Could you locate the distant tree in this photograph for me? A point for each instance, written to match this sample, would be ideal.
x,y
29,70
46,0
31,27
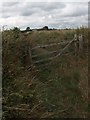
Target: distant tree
x,y
16,32
16,29
28,29
45,28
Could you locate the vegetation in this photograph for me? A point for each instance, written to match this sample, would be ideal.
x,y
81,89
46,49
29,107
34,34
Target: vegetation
x,y
56,89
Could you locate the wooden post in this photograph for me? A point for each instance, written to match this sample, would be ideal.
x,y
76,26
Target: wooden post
x,y
76,47
80,43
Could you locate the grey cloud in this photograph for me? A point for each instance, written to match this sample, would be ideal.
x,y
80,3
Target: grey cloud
x,y
41,7
76,14
44,13
27,13
75,10
51,6
9,4
30,11
10,9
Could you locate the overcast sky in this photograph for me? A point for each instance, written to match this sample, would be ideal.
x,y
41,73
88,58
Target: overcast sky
x,y
38,14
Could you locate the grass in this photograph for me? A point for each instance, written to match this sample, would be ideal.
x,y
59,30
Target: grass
x,y
56,89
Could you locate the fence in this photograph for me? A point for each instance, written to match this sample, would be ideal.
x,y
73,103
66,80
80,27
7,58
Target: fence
x,y
78,46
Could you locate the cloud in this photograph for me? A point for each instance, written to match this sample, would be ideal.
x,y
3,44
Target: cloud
x,y
39,14
74,10
9,4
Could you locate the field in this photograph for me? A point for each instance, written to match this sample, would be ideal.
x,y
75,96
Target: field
x,y
53,89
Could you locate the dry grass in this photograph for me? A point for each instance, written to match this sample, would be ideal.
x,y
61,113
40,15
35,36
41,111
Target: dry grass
x,y
58,89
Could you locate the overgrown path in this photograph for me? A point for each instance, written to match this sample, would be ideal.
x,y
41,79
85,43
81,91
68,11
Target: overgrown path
x,y
57,89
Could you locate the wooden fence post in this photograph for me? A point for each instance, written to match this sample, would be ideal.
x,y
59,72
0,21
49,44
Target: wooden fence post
x,y
80,43
76,46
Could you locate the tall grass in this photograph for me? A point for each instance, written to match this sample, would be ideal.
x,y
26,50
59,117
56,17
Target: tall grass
x,y
54,89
